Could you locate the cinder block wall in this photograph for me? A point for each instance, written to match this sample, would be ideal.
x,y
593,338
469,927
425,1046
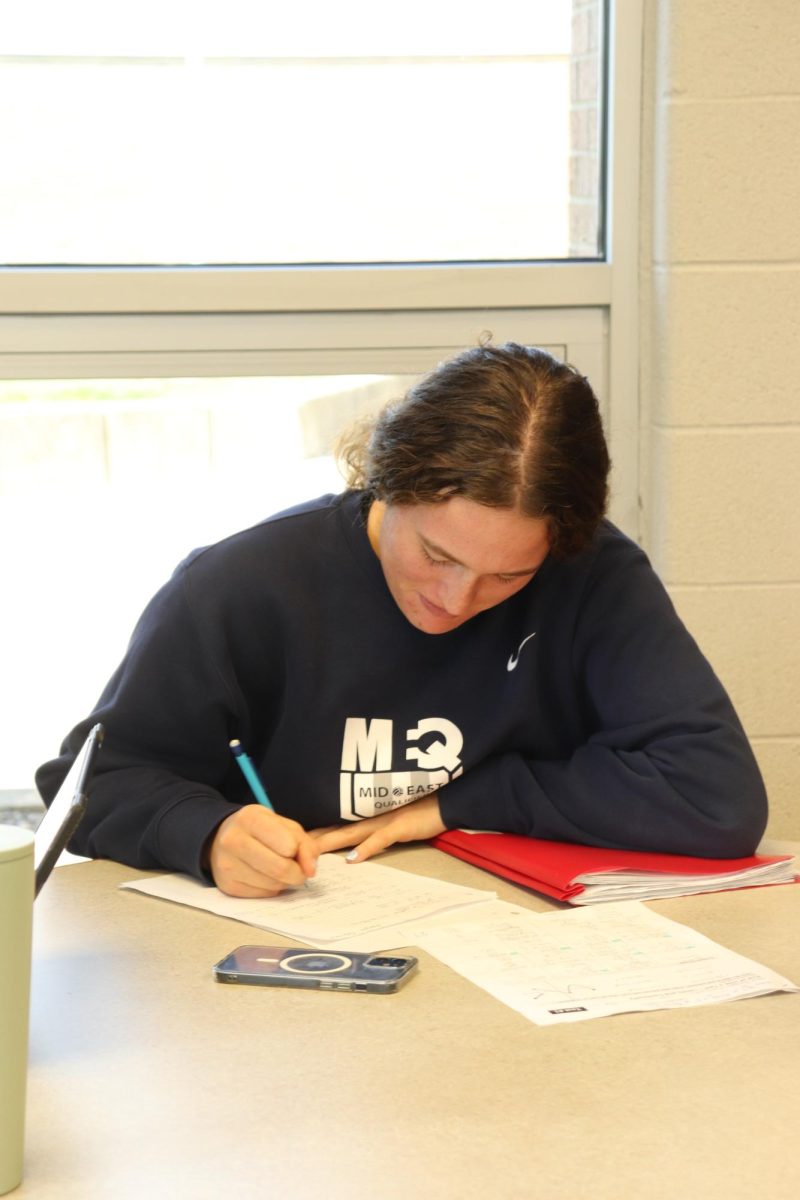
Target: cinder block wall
x,y
721,353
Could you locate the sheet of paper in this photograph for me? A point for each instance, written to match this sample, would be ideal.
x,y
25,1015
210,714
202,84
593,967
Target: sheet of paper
x,y
592,962
67,859
344,903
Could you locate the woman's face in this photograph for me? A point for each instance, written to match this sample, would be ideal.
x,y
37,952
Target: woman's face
x,y
444,563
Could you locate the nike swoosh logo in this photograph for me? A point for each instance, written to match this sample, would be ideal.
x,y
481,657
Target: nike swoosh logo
x,y
514,658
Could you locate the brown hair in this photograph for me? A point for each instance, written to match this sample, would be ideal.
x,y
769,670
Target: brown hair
x,y
506,426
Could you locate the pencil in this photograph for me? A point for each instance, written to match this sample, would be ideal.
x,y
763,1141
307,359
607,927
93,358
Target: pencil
x,y
250,774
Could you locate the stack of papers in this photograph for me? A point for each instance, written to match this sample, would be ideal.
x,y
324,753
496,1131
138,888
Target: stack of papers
x,y
642,885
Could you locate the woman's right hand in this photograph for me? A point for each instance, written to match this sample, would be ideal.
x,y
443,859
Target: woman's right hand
x,y
255,852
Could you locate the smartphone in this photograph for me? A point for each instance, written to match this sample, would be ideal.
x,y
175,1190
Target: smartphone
x,y
325,970
68,806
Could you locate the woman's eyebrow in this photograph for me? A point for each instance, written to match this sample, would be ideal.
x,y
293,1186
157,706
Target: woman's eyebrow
x,y
442,553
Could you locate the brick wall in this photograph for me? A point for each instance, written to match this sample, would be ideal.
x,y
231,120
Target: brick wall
x,y
585,126
721,353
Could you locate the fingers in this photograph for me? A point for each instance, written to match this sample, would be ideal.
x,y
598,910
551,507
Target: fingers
x,y
275,833
344,835
382,839
414,822
317,833
258,853
255,852
246,891
307,854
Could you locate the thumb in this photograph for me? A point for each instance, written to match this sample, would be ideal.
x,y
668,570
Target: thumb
x,y
307,854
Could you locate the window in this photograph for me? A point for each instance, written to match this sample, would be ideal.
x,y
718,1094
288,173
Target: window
x,y
252,219
315,133
105,485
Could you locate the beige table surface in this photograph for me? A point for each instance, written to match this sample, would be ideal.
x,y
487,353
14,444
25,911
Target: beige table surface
x,y
148,1079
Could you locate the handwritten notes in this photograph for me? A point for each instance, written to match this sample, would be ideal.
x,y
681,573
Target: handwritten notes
x,y
365,905
592,962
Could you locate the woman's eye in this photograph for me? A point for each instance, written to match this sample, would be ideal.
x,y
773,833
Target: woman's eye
x,y
515,578
436,562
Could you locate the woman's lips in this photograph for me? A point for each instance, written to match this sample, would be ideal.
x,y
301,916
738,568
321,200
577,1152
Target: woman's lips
x,y
434,609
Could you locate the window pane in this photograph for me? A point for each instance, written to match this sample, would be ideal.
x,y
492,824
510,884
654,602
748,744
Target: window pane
x,y
106,485
311,133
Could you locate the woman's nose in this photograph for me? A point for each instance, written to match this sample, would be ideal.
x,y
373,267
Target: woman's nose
x,y
458,594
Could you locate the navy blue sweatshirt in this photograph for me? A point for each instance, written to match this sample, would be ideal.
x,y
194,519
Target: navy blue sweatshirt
x,y
579,709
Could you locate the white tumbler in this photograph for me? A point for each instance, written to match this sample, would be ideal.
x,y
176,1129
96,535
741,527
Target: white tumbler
x,y
16,922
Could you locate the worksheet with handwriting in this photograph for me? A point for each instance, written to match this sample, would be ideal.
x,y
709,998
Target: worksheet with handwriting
x,y
363,904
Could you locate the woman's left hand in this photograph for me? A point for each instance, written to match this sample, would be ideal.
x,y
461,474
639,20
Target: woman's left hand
x,y
413,822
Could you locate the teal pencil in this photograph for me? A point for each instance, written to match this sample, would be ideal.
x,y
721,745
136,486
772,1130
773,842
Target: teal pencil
x,y
250,774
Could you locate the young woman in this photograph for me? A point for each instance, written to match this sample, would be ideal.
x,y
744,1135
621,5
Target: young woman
x,y
458,640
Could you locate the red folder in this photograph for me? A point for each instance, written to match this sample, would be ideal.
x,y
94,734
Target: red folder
x,y
587,875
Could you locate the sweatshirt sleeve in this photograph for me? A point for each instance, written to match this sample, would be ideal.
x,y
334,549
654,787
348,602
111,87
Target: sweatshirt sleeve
x,y
665,764
163,778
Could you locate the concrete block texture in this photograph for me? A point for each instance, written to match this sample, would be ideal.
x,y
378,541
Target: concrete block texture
x,y
750,635
724,503
779,760
731,47
720,454
724,346
728,187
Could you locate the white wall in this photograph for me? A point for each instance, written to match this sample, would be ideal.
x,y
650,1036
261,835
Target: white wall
x,y
721,352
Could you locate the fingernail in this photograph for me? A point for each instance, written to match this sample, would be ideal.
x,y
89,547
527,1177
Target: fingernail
x,y
352,856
